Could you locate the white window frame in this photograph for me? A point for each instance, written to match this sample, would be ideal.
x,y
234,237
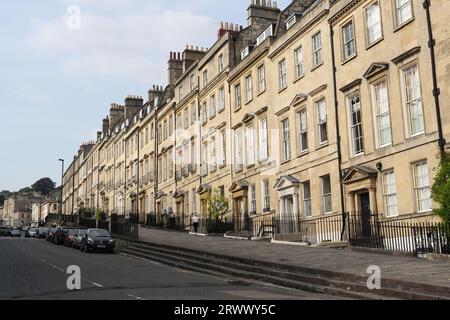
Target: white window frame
x,y
263,139
239,152
355,142
249,88
282,74
307,200
374,29
317,49
186,118
413,98
251,154
299,63
266,195
285,140
252,201
348,40
322,120
221,99
380,113
399,6
390,199
212,106
325,196
422,186
261,79
193,112
303,143
238,96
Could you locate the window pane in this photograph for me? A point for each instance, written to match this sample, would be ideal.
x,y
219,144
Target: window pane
x,y
373,22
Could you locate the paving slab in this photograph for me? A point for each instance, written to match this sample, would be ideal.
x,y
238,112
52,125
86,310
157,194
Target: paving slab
x,y
403,268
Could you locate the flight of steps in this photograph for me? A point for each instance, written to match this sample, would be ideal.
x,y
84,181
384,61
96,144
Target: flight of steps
x,y
317,281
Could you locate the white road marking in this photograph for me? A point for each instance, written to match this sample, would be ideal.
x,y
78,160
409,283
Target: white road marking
x,y
96,284
136,297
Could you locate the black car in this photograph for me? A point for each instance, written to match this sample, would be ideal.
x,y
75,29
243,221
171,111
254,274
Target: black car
x,y
4,232
97,240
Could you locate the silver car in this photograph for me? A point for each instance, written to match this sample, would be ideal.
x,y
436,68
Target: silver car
x,y
16,233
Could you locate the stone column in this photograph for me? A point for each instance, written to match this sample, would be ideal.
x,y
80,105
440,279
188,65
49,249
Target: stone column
x,y
350,203
373,201
295,211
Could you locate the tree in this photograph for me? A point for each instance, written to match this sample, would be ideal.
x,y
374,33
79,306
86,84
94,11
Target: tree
x,y
218,205
44,186
441,189
25,190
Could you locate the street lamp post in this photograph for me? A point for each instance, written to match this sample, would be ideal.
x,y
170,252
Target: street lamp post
x,y
62,183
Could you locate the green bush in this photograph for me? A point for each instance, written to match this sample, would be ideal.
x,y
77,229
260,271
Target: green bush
x,y
441,190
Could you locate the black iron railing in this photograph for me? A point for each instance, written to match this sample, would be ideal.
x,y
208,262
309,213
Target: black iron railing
x,y
125,231
418,238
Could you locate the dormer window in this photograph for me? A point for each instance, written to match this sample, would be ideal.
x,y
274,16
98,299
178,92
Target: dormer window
x,y
263,36
245,52
291,21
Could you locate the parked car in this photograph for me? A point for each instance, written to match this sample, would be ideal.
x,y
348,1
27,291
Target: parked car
x,y
51,234
80,234
97,240
61,234
43,232
16,233
71,237
3,232
33,232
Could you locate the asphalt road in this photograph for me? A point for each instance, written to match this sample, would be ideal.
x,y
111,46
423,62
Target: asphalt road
x,y
36,269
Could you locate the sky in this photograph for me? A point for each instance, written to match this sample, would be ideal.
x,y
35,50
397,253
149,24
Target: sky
x,y
63,62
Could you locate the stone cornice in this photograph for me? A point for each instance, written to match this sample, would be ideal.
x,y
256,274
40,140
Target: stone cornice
x,y
350,6
294,37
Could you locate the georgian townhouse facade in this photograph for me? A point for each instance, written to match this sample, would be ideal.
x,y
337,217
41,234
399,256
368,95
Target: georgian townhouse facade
x,y
387,116
308,112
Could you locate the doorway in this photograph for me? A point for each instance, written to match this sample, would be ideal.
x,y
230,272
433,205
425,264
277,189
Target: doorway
x,y
364,200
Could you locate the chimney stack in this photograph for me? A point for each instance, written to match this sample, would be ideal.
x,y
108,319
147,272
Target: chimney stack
x,y
116,114
105,125
132,106
192,54
262,11
226,27
175,65
155,92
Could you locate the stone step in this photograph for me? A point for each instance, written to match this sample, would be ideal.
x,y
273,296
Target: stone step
x,y
316,279
238,274
405,289
308,282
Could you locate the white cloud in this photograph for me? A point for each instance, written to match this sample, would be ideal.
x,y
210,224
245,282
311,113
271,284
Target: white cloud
x,y
131,44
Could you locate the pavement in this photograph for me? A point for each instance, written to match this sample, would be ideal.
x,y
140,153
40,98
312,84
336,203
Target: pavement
x,y
430,272
34,269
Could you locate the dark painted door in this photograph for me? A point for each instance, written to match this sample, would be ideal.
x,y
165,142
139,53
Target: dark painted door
x,y
365,214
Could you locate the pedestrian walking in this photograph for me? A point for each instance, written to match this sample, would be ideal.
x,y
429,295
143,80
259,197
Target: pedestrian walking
x,y
195,222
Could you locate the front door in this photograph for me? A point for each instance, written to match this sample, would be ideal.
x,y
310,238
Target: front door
x,y
365,214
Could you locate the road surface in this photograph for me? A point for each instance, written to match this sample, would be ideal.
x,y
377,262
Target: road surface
x,y
37,270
